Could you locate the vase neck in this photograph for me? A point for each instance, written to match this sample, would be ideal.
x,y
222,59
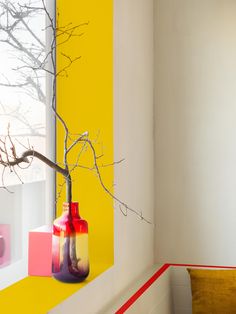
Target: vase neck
x,y
72,209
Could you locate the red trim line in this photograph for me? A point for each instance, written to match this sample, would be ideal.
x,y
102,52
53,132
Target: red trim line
x,y
203,266
142,289
154,277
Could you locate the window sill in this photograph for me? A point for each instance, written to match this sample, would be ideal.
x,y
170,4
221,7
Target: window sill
x,y
39,295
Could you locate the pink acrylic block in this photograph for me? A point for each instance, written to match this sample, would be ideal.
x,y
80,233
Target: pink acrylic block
x,y
5,248
40,252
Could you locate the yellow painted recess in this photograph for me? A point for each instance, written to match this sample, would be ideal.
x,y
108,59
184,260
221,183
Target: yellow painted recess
x,y
85,100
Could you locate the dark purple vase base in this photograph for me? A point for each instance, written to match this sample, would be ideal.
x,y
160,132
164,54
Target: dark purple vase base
x,y
70,278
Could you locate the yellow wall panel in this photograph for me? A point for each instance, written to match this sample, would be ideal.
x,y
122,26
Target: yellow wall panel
x,y
85,100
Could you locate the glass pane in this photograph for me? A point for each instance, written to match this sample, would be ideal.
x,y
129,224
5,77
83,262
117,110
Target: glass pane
x,y
22,127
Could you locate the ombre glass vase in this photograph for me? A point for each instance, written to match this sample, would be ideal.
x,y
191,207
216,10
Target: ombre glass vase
x,y
70,260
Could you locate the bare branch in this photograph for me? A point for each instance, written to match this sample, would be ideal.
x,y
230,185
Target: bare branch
x,y
34,62
70,61
14,85
3,183
113,163
138,214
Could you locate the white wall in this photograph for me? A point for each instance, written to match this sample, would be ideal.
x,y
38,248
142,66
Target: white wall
x,y
133,116
157,299
195,104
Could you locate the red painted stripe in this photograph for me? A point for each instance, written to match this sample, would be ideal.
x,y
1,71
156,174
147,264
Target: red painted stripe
x,y
150,281
203,266
147,284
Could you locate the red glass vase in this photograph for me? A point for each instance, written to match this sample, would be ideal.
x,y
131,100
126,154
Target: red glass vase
x,y
70,260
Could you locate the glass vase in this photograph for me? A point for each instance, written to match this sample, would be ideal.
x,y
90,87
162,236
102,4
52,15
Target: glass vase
x,y
70,260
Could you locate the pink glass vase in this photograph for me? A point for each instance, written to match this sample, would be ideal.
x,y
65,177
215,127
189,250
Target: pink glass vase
x,y
70,261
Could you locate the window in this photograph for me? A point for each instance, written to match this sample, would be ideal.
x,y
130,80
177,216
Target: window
x,y
23,125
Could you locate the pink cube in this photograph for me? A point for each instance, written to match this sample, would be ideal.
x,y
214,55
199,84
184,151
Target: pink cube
x,y
5,248
40,252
